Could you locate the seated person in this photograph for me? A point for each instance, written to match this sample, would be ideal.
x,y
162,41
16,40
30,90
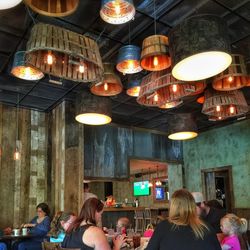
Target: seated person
x,y
39,227
122,225
59,226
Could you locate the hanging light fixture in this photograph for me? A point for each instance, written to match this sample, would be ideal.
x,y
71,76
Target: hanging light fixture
x,y
234,77
117,11
170,105
182,127
224,104
150,184
110,85
133,88
21,70
199,48
17,154
70,56
129,59
54,8
9,4
158,182
159,88
93,110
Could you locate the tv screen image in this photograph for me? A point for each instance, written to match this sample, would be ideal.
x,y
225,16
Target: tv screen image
x,y
141,188
159,193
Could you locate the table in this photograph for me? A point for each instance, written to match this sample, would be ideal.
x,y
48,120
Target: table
x,y
8,239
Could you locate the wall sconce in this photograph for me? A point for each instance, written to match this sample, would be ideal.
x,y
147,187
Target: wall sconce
x,y
9,4
155,53
133,88
55,8
182,127
234,77
220,105
117,11
110,84
93,110
199,48
129,60
21,70
60,52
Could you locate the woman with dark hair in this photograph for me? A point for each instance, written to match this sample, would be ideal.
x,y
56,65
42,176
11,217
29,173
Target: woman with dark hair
x,y
39,227
183,229
83,232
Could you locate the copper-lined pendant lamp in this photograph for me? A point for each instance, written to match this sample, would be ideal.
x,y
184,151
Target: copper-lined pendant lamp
x,y
155,53
133,87
55,8
63,53
234,77
129,59
110,84
7,4
199,48
117,11
93,110
182,127
224,104
159,88
21,70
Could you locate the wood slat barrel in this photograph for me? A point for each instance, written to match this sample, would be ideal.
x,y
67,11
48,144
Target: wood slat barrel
x,y
56,8
68,49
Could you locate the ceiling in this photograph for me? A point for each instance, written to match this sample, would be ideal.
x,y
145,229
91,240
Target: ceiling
x,y
15,25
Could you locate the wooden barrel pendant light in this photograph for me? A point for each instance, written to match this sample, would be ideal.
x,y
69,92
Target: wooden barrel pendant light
x,y
234,77
63,53
55,8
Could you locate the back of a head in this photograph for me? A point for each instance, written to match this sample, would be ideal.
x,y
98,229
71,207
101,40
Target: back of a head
x,y
183,212
239,225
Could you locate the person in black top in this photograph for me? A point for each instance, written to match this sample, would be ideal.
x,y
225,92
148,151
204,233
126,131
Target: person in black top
x,y
83,232
210,215
183,229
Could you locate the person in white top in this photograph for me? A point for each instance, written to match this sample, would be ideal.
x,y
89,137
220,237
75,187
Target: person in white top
x,y
87,193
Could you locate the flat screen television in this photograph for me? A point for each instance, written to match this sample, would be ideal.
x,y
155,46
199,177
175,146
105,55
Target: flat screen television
x,y
141,188
160,193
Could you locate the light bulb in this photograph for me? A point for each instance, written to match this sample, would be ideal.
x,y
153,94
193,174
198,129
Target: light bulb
x,y
49,59
174,87
230,78
130,64
105,86
156,97
218,108
150,184
117,8
232,109
155,61
16,155
27,72
219,117
81,68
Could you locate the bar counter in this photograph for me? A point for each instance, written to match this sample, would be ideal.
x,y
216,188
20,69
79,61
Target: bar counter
x,y
119,209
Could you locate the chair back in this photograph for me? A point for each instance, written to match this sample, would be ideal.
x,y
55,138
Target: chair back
x,y
50,245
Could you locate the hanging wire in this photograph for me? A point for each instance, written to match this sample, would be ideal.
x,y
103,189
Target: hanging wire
x,y
154,17
129,38
100,35
17,112
28,10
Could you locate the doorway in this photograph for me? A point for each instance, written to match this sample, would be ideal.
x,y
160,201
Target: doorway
x,y
217,184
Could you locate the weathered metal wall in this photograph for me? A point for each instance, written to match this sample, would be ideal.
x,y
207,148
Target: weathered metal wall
x,y
220,147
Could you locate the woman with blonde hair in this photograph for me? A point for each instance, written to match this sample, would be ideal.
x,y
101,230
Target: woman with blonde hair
x,y
183,229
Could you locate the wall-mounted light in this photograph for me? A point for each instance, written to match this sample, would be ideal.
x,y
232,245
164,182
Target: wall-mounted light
x,y
199,48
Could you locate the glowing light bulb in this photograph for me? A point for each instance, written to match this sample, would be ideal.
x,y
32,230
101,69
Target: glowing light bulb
x,y
174,87
230,78
16,155
156,97
117,7
49,59
105,86
219,117
150,184
130,64
218,108
81,68
155,61
232,110
27,72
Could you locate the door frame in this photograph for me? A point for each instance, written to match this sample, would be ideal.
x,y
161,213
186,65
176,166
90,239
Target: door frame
x,y
230,181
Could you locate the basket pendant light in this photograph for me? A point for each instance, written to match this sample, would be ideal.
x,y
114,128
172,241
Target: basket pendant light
x,y
110,84
117,11
220,105
55,8
21,70
129,59
133,88
234,77
199,48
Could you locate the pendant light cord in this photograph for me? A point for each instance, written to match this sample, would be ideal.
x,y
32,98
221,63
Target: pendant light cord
x,y
154,18
129,39
17,112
